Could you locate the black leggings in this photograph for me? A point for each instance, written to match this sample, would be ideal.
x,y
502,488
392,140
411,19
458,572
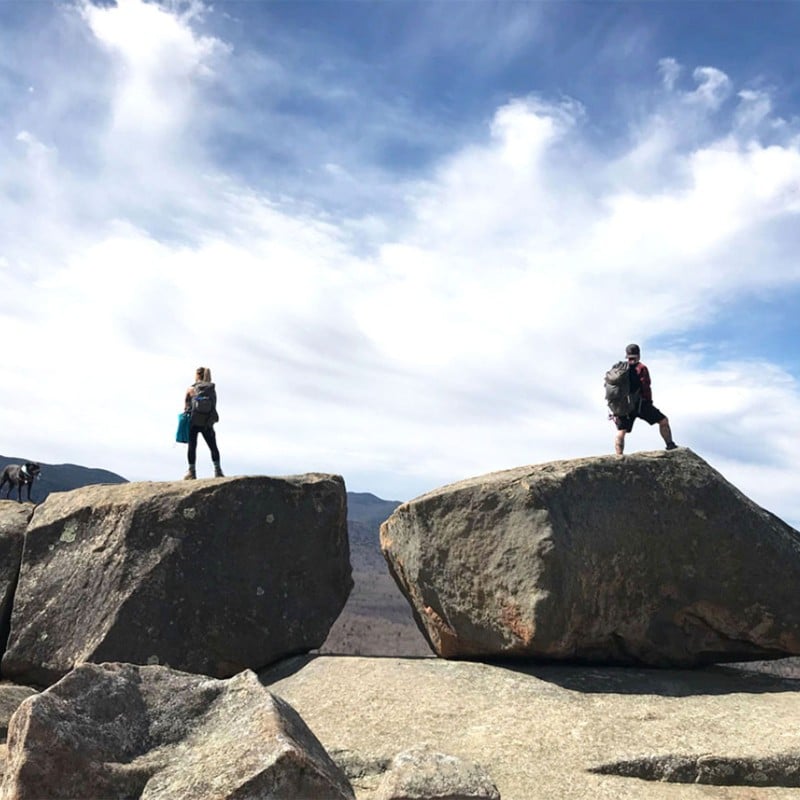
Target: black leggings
x,y
211,441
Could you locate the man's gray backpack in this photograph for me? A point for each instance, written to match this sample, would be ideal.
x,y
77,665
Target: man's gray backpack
x,y
621,401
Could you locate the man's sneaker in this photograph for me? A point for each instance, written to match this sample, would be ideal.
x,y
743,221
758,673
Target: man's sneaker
x,y
671,446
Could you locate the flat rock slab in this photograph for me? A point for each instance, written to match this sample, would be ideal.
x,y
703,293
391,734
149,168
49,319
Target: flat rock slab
x,y
537,731
210,576
653,559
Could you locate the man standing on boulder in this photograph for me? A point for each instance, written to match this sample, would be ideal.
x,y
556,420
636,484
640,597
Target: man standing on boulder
x,y
640,381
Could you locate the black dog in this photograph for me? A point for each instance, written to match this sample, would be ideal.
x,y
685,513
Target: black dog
x,y
19,476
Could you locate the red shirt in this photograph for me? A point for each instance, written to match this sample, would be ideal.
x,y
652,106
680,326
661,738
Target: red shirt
x,y
643,374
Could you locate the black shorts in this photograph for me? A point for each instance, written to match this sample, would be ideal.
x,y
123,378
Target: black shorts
x,y
647,411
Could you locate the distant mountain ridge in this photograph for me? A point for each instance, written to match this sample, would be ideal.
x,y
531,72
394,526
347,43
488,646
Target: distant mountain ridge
x,y
368,509
365,513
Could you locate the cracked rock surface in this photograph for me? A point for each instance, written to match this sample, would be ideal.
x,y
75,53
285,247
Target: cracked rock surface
x,y
539,731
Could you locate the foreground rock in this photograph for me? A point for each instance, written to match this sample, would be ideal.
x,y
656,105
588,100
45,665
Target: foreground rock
x,y
424,774
540,732
11,695
652,558
121,731
14,518
209,577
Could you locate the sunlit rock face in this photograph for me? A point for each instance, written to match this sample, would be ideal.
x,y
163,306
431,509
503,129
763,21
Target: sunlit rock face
x,y
209,576
652,558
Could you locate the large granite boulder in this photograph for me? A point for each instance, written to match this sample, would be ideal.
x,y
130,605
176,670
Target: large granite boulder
x,y
651,558
123,731
207,576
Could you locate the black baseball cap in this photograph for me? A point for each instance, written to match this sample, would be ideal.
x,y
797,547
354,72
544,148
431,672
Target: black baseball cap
x,y
632,350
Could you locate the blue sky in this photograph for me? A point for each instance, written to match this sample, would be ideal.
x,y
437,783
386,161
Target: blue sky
x,y
408,238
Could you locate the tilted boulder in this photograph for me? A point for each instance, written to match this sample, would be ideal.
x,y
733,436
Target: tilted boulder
x,y
651,558
123,731
208,577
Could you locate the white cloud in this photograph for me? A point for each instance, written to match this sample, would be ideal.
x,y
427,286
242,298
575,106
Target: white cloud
x,y
159,57
524,129
472,332
730,188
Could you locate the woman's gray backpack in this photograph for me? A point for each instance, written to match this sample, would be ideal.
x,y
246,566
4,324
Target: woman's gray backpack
x,y
621,400
204,404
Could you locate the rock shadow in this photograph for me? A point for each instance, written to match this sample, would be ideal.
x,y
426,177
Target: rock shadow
x,y
713,680
272,673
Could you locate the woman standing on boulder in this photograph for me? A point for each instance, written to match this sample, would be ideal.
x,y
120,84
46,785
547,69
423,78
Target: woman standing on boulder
x,y
201,403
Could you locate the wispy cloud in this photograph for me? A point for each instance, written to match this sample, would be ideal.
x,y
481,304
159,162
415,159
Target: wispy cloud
x,y
713,88
670,71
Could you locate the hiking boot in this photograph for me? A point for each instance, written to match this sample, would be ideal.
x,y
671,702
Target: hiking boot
x,y
190,473
671,446
218,470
